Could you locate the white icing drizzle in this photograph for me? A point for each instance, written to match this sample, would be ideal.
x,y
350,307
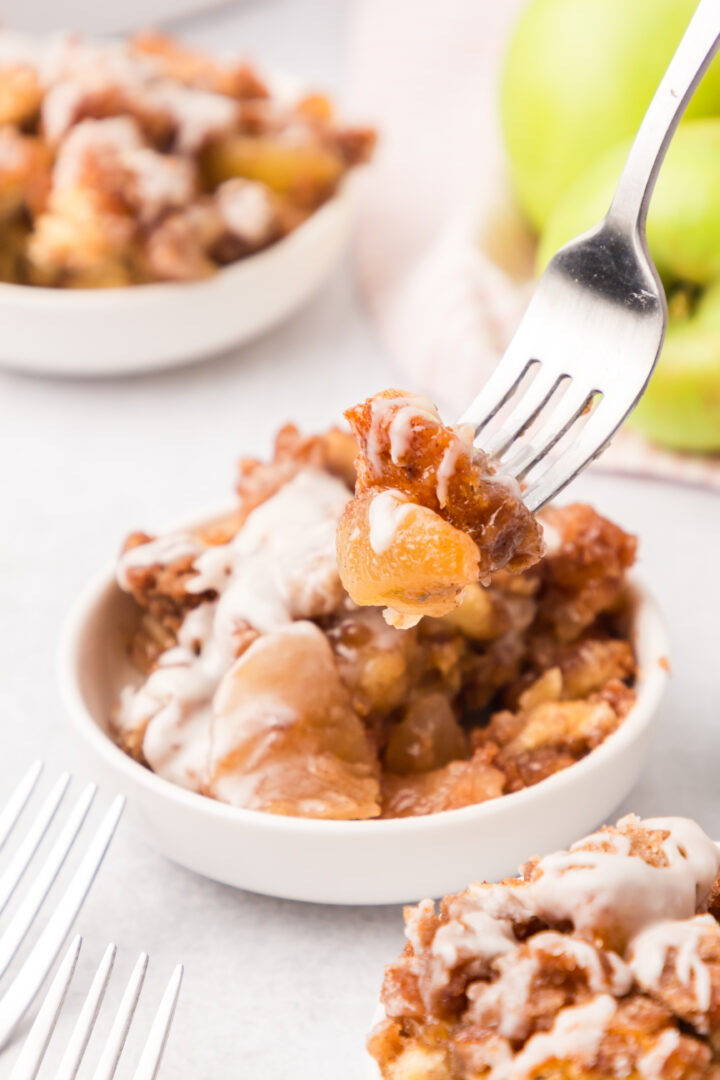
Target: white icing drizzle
x,y
508,996
159,181
504,1001
597,882
282,564
279,567
475,935
650,953
688,843
601,887
576,1035
400,428
551,537
59,108
173,704
415,918
159,552
447,467
393,418
402,410
254,721
247,209
155,182
197,114
71,69
105,140
492,1057
507,481
387,511
13,153
652,1063
501,901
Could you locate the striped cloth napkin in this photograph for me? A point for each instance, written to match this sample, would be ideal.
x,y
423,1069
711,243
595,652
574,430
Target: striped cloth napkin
x,y
444,260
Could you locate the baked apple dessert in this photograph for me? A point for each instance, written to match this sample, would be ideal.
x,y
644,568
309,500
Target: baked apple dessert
x,y
259,681
598,962
144,160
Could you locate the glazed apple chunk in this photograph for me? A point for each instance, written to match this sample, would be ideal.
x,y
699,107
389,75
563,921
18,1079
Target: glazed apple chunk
x,y
285,736
431,514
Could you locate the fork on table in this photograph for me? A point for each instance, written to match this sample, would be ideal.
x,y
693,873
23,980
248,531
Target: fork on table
x,y
18,996
589,341
32,1055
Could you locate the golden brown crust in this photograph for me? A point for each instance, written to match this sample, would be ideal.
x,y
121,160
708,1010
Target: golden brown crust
x,y
333,451
450,787
25,173
585,573
20,95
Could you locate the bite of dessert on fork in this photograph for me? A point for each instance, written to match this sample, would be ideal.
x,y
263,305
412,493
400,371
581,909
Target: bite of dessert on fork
x,y
431,514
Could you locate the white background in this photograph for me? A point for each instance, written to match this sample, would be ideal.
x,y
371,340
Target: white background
x,y
273,989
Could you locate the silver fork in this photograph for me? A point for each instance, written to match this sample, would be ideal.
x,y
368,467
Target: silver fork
x,y
36,1045
22,991
587,345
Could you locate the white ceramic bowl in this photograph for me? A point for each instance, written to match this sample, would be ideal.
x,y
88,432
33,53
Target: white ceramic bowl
x,y
147,327
87,16
357,862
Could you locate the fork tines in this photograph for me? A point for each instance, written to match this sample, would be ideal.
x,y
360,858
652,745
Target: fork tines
x,y
21,992
36,1045
533,399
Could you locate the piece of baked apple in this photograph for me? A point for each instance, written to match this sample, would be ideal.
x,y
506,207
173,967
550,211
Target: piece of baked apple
x,y
431,514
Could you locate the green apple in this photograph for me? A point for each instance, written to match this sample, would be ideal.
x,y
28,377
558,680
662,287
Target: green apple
x,y
681,407
684,217
578,77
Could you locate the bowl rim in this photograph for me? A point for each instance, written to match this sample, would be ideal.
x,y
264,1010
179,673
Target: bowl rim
x,y
650,685
36,297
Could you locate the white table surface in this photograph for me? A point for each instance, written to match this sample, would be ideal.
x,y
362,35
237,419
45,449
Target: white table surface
x,y
273,989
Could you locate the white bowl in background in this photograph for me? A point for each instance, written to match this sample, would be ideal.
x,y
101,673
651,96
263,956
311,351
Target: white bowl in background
x,y
346,862
146,327
91,17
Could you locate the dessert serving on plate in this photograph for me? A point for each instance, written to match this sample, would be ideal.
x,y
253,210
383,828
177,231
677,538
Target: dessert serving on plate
x,y
261,683
130,162
599,961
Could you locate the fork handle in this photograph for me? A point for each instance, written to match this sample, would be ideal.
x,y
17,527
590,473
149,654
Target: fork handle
x,y
687,67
